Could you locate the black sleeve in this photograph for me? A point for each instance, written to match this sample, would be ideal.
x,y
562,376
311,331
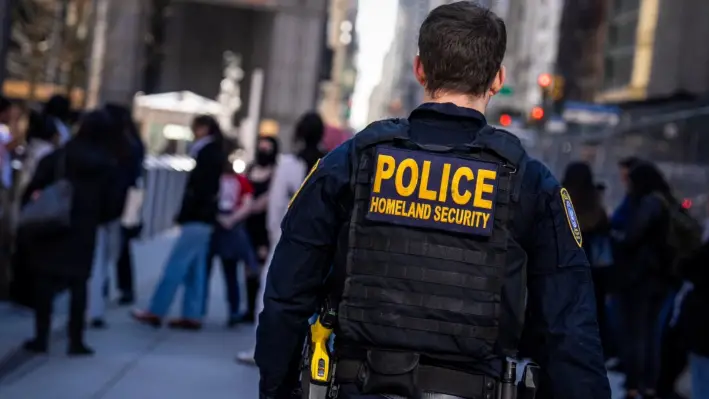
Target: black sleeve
x,y
202,184
112,196
649,209
44,175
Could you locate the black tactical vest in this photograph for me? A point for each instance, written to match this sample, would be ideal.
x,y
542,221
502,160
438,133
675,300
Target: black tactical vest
x,y
429,279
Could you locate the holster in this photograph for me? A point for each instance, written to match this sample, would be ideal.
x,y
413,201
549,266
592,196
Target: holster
x,y
389,372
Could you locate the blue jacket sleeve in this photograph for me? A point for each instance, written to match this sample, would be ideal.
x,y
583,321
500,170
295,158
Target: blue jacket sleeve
x,y
300,263
561,307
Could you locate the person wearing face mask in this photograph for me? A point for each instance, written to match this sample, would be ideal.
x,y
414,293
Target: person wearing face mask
x,y
259,174
288,176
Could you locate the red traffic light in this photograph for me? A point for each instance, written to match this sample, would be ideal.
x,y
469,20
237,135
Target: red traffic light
x,y
687,203
505,120
537,113
545,80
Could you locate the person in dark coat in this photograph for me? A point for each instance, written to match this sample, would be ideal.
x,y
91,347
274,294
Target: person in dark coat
x,y
186,264
642,281
64,261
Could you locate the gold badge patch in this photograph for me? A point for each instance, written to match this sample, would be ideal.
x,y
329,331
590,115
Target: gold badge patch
x,y
304,181
571,217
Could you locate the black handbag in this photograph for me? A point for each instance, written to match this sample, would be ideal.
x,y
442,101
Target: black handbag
x,y
50,211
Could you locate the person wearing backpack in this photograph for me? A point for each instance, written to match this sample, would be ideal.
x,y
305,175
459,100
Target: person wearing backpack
x,y
694,318
643,276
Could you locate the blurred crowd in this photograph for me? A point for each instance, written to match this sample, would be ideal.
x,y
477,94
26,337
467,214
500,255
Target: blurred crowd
x,y
227,217
649,262
648,256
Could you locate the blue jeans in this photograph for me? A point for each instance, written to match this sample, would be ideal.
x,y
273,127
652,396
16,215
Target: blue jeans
x,y
231,246
699,367
106,253
185,265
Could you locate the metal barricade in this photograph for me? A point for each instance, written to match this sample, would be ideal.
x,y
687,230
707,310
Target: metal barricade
x,y
676,143
165,179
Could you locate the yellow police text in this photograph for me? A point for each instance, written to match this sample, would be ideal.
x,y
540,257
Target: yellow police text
x,y
418,184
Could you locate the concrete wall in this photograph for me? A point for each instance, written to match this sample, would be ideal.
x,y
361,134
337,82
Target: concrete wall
x,y
199,34
122,73
292,74
681,55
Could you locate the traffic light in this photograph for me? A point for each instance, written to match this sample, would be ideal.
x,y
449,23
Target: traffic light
x,y
545,80
505,120
537,113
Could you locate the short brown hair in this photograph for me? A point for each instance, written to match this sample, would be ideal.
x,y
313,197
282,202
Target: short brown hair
x,y
461,47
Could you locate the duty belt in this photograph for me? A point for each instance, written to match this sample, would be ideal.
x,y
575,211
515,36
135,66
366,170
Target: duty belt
x,y
431,379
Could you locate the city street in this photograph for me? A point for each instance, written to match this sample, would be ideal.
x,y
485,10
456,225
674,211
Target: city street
x,y
139,362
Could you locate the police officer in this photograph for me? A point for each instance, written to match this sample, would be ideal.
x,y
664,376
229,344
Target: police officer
x,y
436,228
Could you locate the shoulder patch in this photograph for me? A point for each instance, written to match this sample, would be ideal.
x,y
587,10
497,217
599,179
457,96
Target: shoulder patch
x,y
312,170
571,217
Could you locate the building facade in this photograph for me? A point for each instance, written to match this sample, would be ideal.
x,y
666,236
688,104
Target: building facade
x,y
341,45
654,49
282,38
532,35
580,57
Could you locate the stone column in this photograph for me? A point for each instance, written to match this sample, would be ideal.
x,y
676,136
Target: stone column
x,y
123,64
292,73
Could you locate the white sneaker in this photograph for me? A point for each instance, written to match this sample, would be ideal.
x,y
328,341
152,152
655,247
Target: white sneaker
x,y
246,357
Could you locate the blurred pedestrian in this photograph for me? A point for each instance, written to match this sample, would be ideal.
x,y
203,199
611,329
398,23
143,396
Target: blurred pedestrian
x,y
186,264
695,320
108,236
231,243
289,175
260,174
42,138
595,227
642,276
130,225
620,216
58,108
63,260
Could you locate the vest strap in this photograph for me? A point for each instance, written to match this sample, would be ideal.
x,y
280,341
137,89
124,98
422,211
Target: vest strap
x,y
430,302
382,317
427,275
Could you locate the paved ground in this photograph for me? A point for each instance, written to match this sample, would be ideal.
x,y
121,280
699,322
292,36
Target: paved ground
x,y
138,362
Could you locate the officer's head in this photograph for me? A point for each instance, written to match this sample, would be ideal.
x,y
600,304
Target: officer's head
x,y
461,47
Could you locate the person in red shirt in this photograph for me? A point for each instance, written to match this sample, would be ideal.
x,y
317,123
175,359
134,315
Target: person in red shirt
x,y
230,241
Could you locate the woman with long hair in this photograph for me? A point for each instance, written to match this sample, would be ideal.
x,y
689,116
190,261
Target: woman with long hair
x,y
643,282
186,264
595,228
64,261
260,174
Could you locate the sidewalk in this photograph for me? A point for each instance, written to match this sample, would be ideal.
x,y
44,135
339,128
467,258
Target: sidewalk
x,y
139,362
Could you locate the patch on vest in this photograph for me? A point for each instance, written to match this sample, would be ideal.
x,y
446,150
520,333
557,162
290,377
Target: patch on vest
x,y
420,189
571,217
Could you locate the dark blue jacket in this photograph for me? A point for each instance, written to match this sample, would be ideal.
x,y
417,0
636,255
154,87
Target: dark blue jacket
x,y
561,304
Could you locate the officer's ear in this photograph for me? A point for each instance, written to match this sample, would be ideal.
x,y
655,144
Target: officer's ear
x,y
418,71
499,81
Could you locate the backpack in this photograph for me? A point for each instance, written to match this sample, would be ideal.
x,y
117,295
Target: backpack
x,y
684,235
